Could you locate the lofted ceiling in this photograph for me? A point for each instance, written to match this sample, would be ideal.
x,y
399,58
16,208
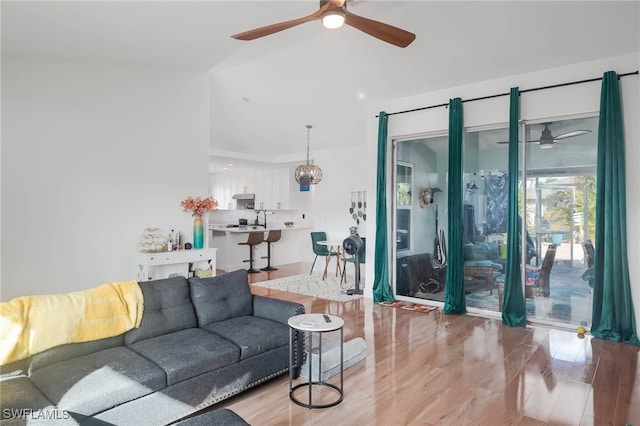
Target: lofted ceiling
x,y
264,92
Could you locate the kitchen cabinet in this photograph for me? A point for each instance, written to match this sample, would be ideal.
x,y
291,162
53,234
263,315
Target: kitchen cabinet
x,y
271,186
225,185
272,189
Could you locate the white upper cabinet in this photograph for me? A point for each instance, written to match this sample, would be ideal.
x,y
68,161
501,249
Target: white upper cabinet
x,y
271,186
272,189
225,185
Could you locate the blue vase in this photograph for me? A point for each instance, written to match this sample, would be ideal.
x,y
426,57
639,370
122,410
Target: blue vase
x,y
198,232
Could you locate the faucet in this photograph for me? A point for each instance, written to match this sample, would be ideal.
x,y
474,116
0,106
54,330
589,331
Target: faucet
x,y
257,223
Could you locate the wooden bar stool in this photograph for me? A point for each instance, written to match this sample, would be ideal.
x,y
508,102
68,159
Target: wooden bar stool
x,y
254,239
272,237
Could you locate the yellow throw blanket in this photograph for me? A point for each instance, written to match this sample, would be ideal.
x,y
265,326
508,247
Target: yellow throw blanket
x,y
32,324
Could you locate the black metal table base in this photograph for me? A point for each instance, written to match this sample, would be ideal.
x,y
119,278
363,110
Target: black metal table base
x,y
306,385
310,384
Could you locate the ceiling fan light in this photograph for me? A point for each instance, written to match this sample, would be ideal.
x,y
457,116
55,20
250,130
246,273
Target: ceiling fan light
x,y
333,19
545,145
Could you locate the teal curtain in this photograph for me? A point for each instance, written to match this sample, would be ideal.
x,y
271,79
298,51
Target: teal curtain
x,y
381,288
613,317
454,301
513,306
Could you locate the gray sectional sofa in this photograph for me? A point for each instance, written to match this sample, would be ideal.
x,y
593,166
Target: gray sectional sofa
x,y
200,341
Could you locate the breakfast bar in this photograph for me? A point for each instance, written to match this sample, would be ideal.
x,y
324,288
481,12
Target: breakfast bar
x,y
231,255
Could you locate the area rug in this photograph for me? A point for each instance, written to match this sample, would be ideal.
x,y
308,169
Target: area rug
x,y
415,307
313,285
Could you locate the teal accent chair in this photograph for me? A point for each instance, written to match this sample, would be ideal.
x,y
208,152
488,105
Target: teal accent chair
x,y
318,249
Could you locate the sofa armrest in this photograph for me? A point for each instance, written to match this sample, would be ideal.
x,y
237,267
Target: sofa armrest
x,y
280,311
275,309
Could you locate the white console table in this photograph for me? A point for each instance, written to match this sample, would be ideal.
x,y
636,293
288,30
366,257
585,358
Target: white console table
x,y
146,261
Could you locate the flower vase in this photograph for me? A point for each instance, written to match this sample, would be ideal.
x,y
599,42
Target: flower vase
x,y
198,232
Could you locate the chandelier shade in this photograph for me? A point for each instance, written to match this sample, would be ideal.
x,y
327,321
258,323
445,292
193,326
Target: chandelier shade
x,y
309,173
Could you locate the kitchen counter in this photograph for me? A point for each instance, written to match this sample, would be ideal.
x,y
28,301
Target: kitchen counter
x,y
293,246
252,228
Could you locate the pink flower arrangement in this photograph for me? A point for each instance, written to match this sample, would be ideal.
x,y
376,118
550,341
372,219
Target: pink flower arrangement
x,y
198,205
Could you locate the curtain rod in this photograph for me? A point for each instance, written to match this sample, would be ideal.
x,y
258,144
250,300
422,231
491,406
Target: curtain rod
x,y
507,94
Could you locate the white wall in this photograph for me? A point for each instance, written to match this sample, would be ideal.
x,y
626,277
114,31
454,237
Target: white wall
x,y
326,205
582,98
91,155
343,172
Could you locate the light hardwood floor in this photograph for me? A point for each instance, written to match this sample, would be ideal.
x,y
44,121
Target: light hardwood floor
x,y
432,369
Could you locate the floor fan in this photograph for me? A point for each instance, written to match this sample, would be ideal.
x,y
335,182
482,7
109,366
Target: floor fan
x,y
352,246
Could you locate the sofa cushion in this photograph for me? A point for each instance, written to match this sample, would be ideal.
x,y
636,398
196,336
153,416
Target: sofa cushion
x,y
252,334
220,417
73,350
187,353
475,252
19,392
167,308
98,381
493,251
221,297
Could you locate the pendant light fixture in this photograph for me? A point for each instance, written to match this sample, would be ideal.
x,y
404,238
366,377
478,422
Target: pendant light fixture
x,y
309,173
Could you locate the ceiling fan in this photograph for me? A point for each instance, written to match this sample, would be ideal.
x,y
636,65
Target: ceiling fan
x,y
547,140
334,14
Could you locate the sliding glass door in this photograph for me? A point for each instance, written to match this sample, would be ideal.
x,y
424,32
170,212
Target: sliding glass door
x,y
556,202
419,216
560,176
485,196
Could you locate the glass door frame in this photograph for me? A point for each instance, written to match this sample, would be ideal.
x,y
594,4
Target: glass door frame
x,y
393,218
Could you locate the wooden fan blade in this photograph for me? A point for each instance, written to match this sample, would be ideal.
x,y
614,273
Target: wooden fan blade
x,y
571,134
379,30
280,26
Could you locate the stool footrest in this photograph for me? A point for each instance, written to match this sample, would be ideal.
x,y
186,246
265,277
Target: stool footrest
x,y
269,268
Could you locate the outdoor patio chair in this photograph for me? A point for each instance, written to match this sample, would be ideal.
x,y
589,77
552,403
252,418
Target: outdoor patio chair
x,y
537,279
589,255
